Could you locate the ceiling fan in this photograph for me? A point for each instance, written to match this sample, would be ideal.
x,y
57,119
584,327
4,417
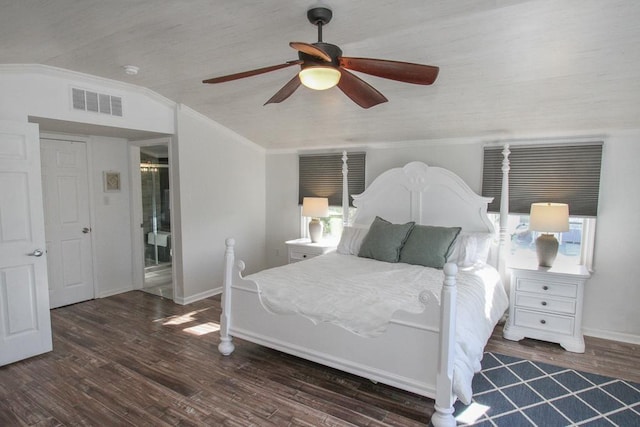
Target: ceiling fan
x,y
323,66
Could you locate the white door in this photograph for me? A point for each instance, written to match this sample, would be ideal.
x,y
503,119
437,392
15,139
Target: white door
x,y
25,325
67,221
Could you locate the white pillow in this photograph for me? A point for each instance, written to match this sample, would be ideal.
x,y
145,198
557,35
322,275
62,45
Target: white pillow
x,y
351,239
471,248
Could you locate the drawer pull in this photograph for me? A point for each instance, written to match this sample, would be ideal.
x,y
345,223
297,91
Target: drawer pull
x,y
545,288
544,303
304,256
543,321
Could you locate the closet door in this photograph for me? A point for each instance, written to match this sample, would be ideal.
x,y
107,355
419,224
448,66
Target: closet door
x,y
67,221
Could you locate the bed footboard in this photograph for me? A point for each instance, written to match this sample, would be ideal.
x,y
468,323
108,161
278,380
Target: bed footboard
x,y
430,373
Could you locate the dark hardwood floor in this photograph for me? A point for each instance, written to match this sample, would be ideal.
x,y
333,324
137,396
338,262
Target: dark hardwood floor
x,y
137,359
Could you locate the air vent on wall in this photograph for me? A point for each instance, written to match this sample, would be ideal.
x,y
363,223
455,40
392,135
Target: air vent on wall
x,y
96,102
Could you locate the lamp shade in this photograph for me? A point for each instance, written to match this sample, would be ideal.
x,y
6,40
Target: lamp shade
x,y
316,207
319,78
549,217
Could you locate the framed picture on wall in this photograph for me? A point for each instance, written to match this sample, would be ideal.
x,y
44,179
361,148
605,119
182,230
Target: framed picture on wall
x,y
111,181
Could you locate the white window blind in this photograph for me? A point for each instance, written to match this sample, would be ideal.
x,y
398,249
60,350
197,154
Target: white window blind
x,y
320,175
562,173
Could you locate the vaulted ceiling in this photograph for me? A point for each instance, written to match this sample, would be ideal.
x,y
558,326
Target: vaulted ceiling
x,y
507,67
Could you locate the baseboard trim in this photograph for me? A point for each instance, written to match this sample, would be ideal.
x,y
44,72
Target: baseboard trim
x,y
198,297
114,292
613,336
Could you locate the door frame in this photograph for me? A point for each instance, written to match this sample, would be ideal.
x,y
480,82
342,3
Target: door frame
x,y
136,210
92,214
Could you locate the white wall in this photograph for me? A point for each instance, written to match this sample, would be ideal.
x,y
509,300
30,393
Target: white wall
x,y
611,294
462,156
32,90
41,91
221,194
111,231
218,188
282,210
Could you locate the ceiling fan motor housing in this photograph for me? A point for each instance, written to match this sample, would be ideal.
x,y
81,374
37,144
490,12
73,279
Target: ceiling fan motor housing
x,y
319,15
330,49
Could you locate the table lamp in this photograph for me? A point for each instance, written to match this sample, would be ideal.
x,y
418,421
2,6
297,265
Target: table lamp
x,y
315,207
548,218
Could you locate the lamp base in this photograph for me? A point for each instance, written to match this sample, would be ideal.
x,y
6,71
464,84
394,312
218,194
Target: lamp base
x,y
315,230
547,249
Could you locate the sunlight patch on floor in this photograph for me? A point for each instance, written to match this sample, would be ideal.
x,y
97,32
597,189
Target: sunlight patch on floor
x,y
180,320
203,328
472,413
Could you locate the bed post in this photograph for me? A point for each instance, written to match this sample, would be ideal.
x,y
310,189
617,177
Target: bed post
x,y
443,416
226,347
345,190
504,215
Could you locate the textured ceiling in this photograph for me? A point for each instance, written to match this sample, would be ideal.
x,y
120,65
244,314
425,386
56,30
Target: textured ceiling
x,y
506,67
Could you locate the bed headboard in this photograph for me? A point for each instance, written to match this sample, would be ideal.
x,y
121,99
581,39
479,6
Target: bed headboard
x,y
424,194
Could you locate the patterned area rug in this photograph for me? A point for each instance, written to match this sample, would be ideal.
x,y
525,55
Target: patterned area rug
x,y
512,392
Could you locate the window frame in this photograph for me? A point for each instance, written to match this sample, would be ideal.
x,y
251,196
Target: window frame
x,y
547,171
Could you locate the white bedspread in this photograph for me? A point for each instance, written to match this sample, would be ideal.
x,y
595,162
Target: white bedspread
x,y
361,295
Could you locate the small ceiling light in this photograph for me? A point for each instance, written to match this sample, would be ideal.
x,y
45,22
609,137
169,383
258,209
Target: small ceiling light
x,y
131,70
319,78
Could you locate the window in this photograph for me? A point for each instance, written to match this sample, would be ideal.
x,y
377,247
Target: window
x,y
576,245
562,173
320,175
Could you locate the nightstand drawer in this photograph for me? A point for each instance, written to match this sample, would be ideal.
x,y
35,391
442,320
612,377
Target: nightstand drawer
x,y
547,288
296,256
301,249
544,321
540,302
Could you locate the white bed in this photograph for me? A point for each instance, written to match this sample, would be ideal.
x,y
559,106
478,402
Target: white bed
x,y
412,342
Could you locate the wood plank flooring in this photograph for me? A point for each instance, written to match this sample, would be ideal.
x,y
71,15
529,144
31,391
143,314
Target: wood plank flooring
x,y
136,359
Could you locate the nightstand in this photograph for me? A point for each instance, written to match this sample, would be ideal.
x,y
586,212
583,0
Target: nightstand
x,y
546,304
301,249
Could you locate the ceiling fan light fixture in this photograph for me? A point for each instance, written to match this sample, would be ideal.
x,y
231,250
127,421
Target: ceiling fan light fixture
x,y
319,77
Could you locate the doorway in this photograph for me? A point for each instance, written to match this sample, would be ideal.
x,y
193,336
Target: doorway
x,y
155,195
65,193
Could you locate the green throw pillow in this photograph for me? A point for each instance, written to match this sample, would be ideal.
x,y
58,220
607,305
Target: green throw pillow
x,y
428,245
384,240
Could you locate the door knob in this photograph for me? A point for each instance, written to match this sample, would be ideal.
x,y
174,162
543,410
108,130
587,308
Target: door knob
x,y
37,253
85,230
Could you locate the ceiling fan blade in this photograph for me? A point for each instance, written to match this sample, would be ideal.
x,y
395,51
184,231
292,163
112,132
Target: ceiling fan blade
x,y
402,71
255,72
310,49
285,92
360,92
